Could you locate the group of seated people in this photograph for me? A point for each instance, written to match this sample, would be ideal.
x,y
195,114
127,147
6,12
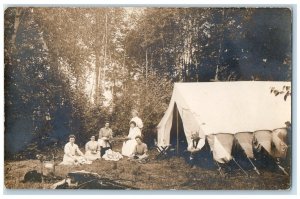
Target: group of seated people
x,y
133,146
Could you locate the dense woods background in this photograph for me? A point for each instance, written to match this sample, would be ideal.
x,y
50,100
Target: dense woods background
x,y
68,70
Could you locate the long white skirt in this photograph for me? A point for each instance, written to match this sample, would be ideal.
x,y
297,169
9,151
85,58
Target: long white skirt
x,y
128,147
67,160
92,156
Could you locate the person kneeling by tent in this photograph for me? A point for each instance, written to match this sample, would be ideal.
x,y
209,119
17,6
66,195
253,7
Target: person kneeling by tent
x,y
140,151
194,148
70,157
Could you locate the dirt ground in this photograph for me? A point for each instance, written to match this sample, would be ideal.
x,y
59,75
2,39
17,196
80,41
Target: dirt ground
x,y
167,174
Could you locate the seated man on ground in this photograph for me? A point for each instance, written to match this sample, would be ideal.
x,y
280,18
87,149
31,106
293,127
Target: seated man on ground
x,y
70,157
140,151
105,137
194,148
92,151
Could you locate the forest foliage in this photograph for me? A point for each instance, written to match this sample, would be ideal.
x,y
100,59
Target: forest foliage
x,y
68,70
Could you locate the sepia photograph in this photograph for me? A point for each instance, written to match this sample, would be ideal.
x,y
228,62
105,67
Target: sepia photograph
x,y
148,98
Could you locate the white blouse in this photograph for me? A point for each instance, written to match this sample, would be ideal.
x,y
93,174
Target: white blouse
x,y
72,149
138,121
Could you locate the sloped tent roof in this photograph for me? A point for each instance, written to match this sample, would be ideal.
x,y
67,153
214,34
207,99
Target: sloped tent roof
x,y
225,107
221,147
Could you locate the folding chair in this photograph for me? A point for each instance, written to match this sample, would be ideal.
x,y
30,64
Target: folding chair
x,y
163,151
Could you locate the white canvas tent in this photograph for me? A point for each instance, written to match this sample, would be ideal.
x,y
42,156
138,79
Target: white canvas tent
x,y
225,107
245,140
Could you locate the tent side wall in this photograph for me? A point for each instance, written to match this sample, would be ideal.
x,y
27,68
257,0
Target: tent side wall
x,y
279,138
245,140
221,146
263,138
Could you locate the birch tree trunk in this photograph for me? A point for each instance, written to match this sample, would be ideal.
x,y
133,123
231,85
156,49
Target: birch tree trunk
x,y
16,27
102,81
220,47
97,61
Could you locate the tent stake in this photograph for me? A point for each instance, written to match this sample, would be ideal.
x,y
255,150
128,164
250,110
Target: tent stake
x,y
254,167
282,169
240,167
219,167
277,160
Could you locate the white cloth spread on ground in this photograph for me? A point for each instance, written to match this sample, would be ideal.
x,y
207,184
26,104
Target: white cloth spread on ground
x,y
70,157
129,145
138,121
92,151
112,155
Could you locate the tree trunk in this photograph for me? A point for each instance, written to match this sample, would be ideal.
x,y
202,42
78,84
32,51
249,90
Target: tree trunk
x,y
220,47
146,64
97,52
97,72
197,71
16,27
105,54
123,70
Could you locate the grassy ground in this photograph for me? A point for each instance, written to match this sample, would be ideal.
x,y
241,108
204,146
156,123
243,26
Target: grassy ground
x,y
168,174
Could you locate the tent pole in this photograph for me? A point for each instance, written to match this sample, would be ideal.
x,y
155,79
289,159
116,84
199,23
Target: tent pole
x,y
240,166
254,167
177,139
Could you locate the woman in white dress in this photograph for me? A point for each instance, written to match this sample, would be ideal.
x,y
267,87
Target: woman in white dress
x,y
129,145
70,156
135,118
92,151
